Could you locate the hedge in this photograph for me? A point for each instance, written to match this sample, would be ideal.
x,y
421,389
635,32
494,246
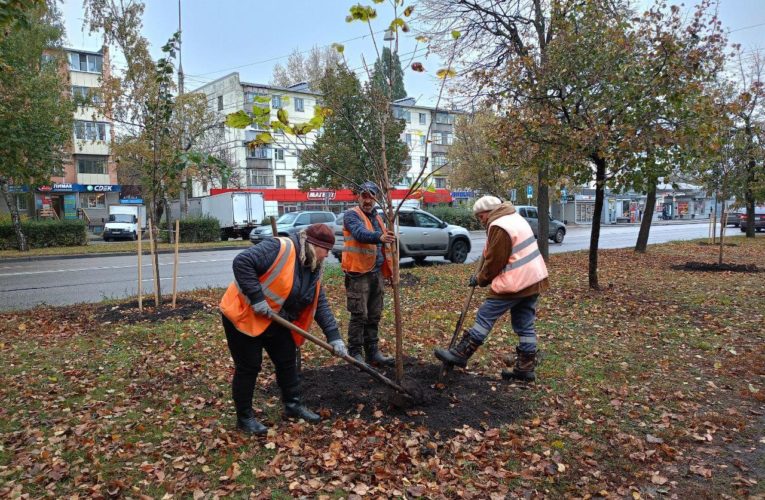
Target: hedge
x,y
196,230
40,234
456,215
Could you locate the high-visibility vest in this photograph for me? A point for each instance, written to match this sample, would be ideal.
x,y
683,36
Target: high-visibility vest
x,y
360,257
525,266
276,283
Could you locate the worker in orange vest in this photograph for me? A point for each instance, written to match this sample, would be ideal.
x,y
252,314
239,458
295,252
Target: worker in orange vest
x,y
366,263
517,274
279,276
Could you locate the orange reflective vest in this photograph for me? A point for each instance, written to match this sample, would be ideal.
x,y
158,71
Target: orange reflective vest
x,y
360,257
276,283
525,266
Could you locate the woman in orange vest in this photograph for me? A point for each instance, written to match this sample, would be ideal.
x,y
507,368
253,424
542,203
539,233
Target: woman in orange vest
x,y
278,276
517,274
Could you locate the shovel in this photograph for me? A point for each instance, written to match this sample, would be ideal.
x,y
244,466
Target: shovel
x,y
447,367
406,397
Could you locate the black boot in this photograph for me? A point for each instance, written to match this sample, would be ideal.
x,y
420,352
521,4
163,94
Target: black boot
x,y
376,358
523,368
293,408
246,422
459,354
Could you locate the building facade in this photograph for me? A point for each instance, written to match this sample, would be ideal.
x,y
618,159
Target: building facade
x,y
272,169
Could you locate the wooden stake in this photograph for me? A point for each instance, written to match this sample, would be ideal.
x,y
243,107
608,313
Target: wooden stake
x,y
175,260
273,225
153,266
140,268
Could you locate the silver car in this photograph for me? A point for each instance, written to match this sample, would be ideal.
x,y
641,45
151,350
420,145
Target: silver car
x,y
290,223
556,229
422,235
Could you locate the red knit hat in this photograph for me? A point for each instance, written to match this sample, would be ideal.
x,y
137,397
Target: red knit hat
x,y
320,235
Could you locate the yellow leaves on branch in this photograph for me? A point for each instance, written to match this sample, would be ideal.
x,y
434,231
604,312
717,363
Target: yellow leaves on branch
x,y
446,73
362,13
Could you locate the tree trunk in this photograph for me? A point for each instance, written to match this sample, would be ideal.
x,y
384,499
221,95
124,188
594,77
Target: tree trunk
x,y
749,199
645,224
723,222
600,194
543,212
155,234
21,239
168,220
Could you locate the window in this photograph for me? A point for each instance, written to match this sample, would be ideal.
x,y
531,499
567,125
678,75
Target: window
x,y
522,211
425,220
423,159
414,161
408,139
281,181
322,217
406,219
279,154
91,166
303,220
406,181
298,104
439,161
443,138
422,118
47,58
444,118
259,177
276,102
91,63
220,103
402,114
92,200
22,201
260,153
437,138
91,131
440,182
422,140
86,95
531,213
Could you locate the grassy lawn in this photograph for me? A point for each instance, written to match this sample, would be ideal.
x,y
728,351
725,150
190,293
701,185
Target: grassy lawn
x,y
116,247
651,387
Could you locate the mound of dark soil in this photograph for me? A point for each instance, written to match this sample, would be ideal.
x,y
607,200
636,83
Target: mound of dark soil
x,y
408,279
714,266
127,312
468,398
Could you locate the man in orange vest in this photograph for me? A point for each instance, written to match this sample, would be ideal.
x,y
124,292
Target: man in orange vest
x,y
366,264
278,276
517,274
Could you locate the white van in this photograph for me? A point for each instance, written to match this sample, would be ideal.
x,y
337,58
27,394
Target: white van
x,y
123,222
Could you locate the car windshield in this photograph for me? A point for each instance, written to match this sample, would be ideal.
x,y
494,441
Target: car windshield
x,y
287,218
127,218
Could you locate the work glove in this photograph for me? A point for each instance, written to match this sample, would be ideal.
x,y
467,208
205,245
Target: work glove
x,y
473,281
262,308
338,347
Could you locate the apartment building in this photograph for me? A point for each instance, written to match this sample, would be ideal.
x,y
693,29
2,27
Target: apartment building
x,y
271,170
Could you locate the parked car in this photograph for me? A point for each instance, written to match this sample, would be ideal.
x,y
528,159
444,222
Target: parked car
x,y
759,220
422,235
556,229
734,218
290,223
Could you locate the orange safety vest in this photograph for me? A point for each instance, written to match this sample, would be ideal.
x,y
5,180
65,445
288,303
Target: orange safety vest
x,y
276,283
360,257
525,266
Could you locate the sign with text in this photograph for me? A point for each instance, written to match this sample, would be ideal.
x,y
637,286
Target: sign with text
x,y
66,187
316,194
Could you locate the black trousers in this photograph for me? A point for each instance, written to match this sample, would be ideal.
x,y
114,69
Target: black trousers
x,y
247,353
365,294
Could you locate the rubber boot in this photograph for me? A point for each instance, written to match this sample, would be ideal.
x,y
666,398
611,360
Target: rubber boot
x,y
355,343
247,423
293,408
459,354
523,368
376,358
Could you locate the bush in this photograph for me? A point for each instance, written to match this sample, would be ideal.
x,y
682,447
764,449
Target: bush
x,y
195,230
40,233
456,215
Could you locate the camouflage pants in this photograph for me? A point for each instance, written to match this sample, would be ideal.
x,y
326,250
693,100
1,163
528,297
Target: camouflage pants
x,y
365,304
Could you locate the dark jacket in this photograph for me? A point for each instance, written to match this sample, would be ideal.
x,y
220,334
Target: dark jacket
x,y
256,260
499,246
353,223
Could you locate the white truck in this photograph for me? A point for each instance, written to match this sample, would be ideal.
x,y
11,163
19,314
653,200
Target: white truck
x,y
123,222
237,212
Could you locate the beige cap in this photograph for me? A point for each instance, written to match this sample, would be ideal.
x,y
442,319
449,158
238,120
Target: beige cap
x,y
486,204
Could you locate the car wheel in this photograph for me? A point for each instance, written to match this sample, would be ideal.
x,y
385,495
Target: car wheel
x,y
743,229
419,260
134,237
559,235
459,252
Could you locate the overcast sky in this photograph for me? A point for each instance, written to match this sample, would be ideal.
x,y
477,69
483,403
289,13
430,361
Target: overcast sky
x,y
250,36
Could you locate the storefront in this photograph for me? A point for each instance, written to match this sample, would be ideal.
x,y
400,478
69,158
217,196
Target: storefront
x,y
280,201
66,199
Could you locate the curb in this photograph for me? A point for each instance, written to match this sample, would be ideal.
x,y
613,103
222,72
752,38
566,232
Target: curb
x,y
112,254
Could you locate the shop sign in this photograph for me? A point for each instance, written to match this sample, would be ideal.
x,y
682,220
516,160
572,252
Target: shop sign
x,y
461,194
65,187
18,189
102,188
315,194
568,198
585,197
131,201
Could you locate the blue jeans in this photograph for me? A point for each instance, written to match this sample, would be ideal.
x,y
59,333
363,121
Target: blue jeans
x,y
523,314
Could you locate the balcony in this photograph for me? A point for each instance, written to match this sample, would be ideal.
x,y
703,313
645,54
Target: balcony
x,y
259,163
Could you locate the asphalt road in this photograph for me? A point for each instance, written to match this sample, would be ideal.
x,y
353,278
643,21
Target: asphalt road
x,y
25,284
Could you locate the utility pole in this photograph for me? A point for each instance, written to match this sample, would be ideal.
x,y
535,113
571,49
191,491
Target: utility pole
x,y
184,178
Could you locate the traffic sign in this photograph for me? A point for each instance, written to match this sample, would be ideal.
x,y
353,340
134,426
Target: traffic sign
x,y
513,194
563,193
529,191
